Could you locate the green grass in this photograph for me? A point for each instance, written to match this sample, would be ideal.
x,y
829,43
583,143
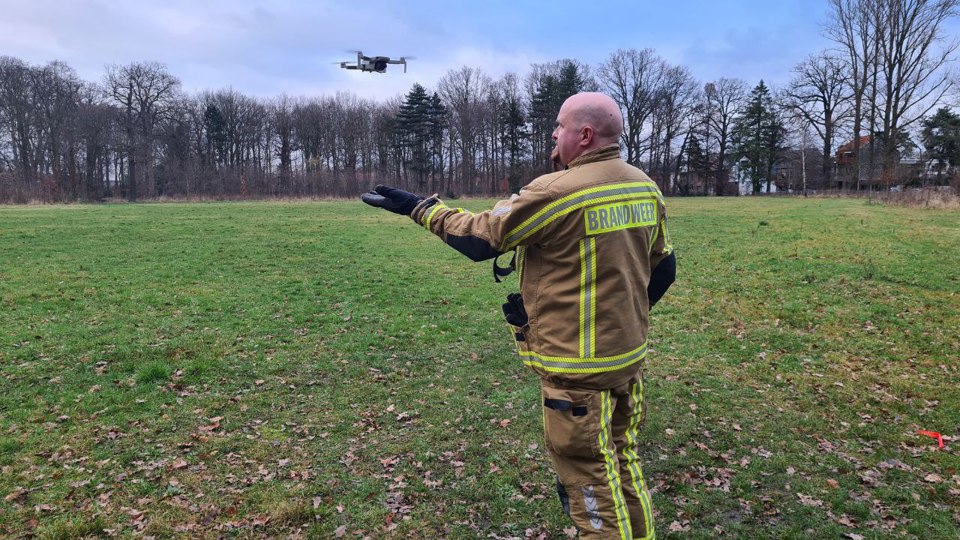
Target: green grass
x,y
251,370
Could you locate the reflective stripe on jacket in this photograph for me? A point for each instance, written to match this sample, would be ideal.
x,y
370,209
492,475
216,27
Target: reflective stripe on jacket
x,y
587,239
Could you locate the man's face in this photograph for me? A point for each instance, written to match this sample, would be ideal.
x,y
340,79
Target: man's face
x,y
567,136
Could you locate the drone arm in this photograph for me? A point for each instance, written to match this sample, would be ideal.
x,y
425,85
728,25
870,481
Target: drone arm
x,y
400,61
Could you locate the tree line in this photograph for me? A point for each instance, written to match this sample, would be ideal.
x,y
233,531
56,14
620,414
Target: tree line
x,y
846,120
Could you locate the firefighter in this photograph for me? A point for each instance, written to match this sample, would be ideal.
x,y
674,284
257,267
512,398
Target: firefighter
x,y
591,247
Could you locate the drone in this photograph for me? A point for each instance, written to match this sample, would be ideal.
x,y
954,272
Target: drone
x,y
373,64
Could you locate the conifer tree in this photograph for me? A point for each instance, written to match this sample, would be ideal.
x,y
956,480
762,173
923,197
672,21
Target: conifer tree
x,y
415,130
759,138
941,138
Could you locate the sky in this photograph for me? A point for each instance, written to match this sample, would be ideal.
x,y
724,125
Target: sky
x,y
293,47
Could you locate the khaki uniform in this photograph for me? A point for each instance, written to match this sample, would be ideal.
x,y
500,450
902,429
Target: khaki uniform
x,y
586,241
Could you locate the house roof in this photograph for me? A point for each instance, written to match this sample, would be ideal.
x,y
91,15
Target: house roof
x,y
864,140
842,157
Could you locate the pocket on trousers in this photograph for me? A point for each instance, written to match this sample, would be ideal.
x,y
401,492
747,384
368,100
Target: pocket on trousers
x,y
520,336
571,422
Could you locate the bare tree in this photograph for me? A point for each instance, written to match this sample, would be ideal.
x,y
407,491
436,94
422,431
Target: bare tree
x,y
725,99
15,92
676,97
55,95
913,67
6,150
174,157
854,25
386,142
820,96
632,78
491,145
39,111
798,159
282,112
145,92
464,90
349,129
96,135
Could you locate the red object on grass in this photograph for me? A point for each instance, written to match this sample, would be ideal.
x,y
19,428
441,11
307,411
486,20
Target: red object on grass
x,y
933,434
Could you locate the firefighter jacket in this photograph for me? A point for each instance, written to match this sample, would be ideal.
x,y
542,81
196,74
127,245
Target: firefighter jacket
x,y
587,240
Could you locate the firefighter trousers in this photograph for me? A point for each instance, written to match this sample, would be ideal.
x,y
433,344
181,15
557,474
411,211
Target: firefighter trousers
x,y
591,436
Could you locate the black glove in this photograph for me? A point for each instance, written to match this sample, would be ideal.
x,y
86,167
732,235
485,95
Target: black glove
x,y
514,311
395,200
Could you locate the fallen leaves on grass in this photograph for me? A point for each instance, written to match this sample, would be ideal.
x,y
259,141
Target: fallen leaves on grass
x,y
389,462
213,425
710,477
18,495
808,500
844,520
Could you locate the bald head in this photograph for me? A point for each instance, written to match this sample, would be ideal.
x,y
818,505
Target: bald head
x,y
598,111
586,121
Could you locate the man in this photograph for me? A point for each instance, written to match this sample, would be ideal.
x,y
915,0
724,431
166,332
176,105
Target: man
x,y
593,254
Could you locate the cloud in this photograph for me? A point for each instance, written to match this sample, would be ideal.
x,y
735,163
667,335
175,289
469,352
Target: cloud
x,y
293,46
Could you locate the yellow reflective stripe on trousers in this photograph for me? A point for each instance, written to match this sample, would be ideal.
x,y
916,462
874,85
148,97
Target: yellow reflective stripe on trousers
x,y
633,460
600,364
588,302
613,472
626,191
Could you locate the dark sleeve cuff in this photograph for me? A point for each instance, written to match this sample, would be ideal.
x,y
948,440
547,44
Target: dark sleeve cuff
x,y
421,209
661,278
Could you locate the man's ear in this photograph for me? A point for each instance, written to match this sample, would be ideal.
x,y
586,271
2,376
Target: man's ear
x,y
586,135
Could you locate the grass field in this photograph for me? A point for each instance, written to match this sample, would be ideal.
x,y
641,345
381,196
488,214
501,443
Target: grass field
x,y
326,370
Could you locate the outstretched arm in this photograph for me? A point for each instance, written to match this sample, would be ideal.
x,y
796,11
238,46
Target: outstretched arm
x,y
404,203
